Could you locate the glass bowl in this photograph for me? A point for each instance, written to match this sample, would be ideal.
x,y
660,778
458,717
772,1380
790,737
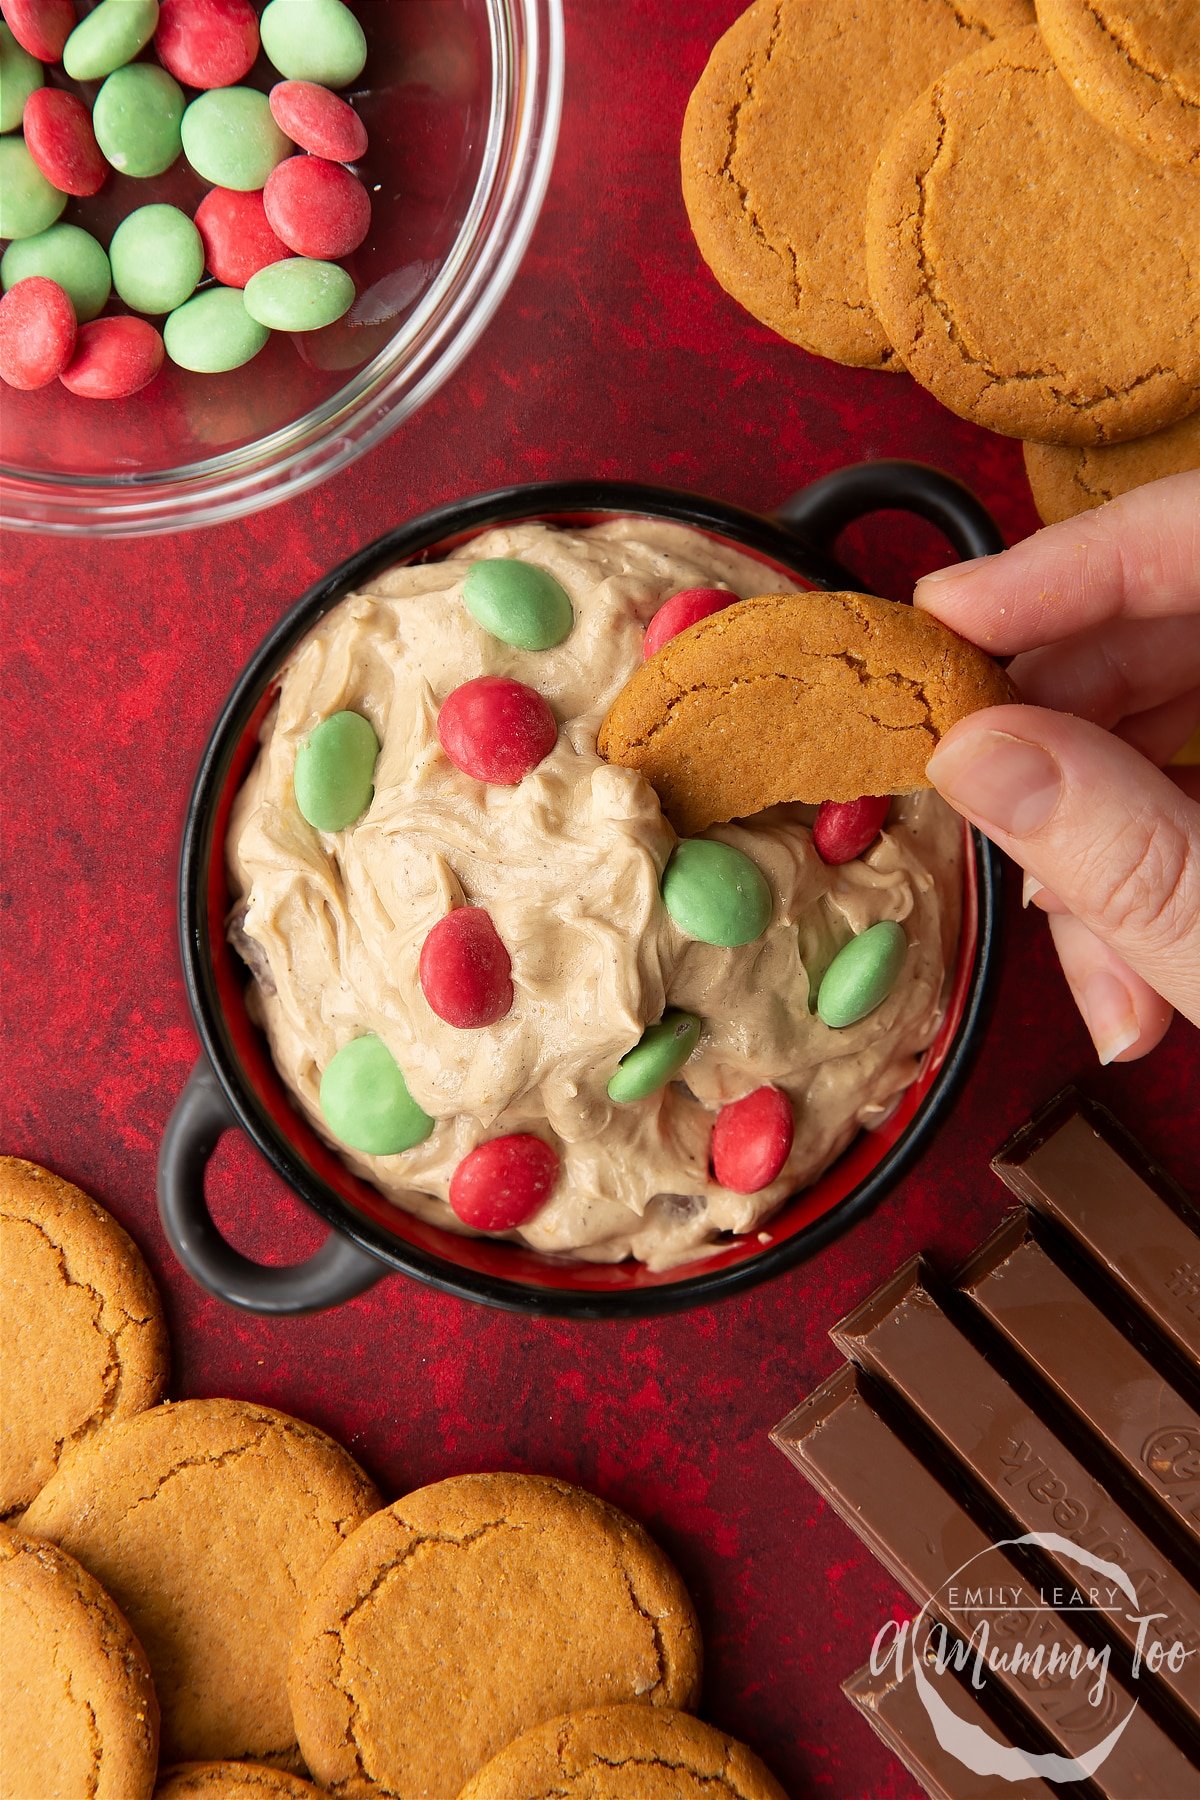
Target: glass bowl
x,y
461,103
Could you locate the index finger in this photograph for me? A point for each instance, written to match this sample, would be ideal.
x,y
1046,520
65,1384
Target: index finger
x,y
1136,558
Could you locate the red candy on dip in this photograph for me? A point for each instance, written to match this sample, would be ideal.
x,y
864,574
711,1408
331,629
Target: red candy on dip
x,y
113,358
237,239
37,332
318,120
59,137
680,611
504,1182
318,208
465,971
496,729
207,43
751,1140
41,26
843,829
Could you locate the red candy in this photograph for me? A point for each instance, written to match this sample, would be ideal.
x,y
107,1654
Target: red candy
x,y
41,26
465,971
113,358
37,332
496,729
680,611
843,829
751,1140
59,137
318,120
237,239
503,1182
317,207
207,43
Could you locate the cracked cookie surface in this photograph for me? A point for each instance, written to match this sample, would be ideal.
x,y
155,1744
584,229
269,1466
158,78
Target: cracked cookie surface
x,y
207,1521
1135,65
77,1298
468,1612
1066,479
79,1713
1035,272
624,1753
231,1781
795,697
779,140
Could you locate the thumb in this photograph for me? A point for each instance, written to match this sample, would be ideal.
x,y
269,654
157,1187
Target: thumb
x,y
1104,830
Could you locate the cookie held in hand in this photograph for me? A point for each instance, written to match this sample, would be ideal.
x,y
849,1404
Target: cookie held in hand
x,y
795,697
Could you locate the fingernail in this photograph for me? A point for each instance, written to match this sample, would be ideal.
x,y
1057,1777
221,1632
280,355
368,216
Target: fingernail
x,y
937,576
1108,1014
1003,782
1031,887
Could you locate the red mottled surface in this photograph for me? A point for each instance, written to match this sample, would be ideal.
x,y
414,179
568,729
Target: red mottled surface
x,y
614,354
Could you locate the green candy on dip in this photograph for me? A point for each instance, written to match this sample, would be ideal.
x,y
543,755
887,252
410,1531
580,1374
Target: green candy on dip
x,y
518,603
366,1102
862,974
213,332
335,771
299,293
715,894
656,1058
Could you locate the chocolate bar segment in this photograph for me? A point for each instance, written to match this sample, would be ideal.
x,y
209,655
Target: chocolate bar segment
x,y
921,1533
901,1335
1074,1165
1091,1365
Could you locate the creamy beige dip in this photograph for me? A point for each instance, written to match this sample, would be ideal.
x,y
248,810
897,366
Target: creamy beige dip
x,y
567,863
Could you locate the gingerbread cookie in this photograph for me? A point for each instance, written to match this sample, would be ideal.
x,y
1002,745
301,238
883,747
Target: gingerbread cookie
x,y
231,1781
1135,65
470,1611
208,1521
1066,479
779,141
78,1300
624,1753
79,1714
1033,270
787,697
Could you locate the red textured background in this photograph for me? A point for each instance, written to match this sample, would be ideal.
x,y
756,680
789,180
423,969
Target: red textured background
x,y
614,354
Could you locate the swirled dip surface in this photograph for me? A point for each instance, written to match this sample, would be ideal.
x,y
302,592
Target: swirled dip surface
x,y
567,863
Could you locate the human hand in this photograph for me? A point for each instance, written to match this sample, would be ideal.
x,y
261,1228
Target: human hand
x,y
1103,613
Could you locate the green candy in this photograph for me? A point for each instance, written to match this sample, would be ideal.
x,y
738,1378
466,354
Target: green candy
x,y
862,974
66,254
518,603
366,1102
230,138
298,294
656,1058
110,35
314,40
213,332
335,771
157,258
136,119
716,894
28,203
20,73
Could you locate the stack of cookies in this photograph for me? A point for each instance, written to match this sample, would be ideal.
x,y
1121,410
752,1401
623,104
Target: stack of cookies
x,y
207,1599
1007,206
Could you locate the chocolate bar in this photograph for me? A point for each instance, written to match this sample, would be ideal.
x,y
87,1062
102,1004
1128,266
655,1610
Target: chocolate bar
x,y
903,1336
1076,1166
921,1533
1090,1365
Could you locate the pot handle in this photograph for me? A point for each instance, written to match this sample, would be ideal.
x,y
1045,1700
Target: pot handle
x,y
820,512
336,1272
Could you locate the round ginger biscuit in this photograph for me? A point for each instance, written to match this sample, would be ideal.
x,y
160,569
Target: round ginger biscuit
x,y
1135,65
779,140
624,1753
795,697
208,1521
1068,479
78,1300
1034,271
79,1713
231,1781
466,1613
